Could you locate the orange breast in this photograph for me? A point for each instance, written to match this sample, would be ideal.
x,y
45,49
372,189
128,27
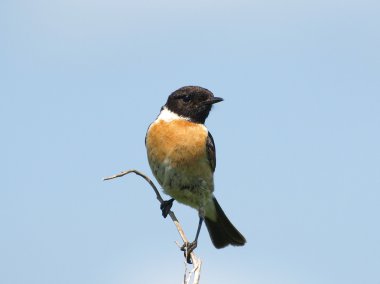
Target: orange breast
x,y
178,142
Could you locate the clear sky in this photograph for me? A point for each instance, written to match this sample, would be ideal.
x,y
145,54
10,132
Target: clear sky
x,y
297,138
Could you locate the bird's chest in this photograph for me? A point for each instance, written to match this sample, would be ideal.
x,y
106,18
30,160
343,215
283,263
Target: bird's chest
x,y
177,156
178,144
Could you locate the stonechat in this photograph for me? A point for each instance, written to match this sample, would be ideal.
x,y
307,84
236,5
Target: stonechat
x,y
181,154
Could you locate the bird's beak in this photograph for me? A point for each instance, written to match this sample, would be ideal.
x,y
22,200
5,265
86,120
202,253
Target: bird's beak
x,y
213,100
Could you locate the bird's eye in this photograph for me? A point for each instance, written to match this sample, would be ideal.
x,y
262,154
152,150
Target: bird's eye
x,y
186,99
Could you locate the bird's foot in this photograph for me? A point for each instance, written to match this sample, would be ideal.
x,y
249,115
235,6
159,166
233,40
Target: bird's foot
x,y
165,207
187,249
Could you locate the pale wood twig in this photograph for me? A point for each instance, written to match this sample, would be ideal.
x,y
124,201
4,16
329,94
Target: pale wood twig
x,y
197,263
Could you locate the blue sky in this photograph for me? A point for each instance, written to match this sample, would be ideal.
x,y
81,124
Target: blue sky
x,y
297,138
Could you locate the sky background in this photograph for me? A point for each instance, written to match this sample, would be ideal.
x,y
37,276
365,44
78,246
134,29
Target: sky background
x,y
297,138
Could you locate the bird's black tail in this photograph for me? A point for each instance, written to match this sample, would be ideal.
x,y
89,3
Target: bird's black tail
x,y
221,231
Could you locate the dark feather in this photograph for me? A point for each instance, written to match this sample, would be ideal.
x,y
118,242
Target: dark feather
x,y
221,231
211,153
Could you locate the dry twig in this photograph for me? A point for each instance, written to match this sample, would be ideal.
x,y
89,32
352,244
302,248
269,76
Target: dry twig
x,y
197,263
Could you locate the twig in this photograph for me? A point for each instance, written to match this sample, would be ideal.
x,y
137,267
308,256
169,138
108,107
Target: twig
x,y
197,263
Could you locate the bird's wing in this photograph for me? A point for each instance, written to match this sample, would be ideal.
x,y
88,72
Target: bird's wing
x,y
211,153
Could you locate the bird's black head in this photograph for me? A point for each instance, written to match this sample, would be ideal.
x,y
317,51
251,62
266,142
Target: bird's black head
x,y
192,102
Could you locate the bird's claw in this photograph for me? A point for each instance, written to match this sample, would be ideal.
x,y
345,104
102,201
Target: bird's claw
x,y
165,207
187,249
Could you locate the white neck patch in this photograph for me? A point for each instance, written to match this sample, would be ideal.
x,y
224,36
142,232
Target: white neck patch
x,y
167,116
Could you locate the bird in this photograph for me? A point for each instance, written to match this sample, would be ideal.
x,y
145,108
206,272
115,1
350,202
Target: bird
x,y
181,154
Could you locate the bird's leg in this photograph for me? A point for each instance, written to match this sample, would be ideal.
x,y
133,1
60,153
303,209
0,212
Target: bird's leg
x,y
165,207
187,247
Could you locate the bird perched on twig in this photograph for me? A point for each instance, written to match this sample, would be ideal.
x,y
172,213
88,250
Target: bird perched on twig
x,y
181,154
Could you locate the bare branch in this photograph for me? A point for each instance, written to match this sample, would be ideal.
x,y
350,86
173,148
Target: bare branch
x,y
197,263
